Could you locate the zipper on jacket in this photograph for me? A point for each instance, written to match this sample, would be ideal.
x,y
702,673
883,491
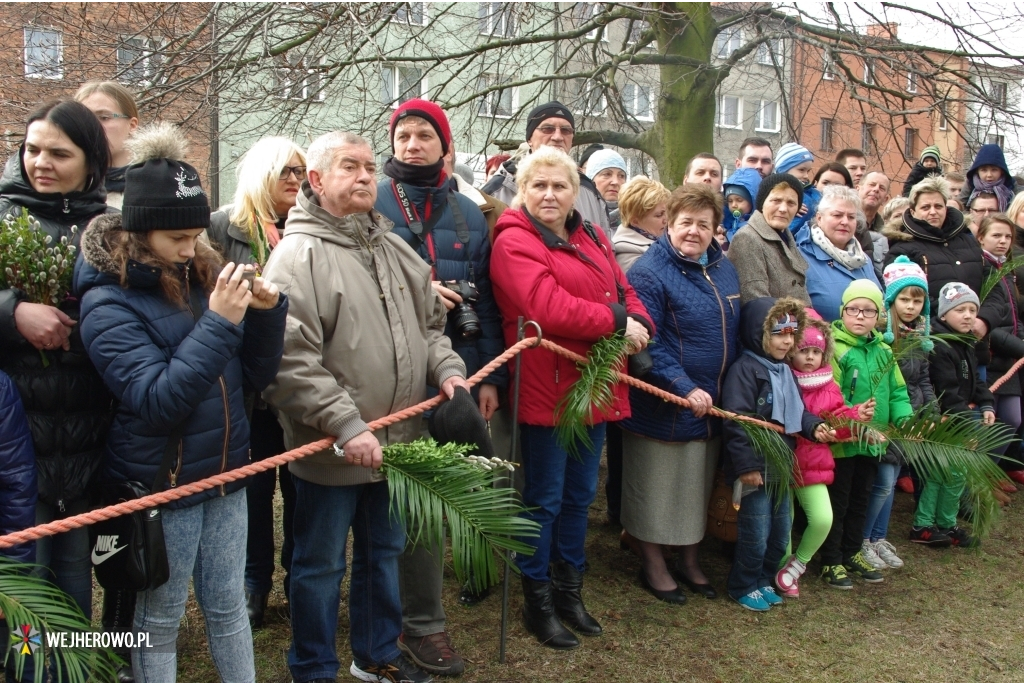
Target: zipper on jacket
x,y
227,428
173,475
67,206
725,342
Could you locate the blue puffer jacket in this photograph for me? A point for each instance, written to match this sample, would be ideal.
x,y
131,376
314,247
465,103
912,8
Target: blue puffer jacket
x,y
451,260
696,311
800,226
166,368
827,279
17,471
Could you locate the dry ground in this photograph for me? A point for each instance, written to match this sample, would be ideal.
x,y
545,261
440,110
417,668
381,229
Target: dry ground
x,y
949,615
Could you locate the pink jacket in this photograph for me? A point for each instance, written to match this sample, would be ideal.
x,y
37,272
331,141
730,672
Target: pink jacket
x,y
814,462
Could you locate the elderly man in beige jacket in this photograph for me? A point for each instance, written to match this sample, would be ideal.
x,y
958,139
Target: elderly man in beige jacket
x,y
365,336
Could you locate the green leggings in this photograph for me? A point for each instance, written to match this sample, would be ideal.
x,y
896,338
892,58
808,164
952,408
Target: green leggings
x,y
816,504
940,502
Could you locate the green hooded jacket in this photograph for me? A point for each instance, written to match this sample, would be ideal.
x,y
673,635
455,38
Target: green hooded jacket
x,y
863,368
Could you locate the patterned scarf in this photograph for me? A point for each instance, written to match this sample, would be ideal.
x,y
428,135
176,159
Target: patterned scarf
x,y
852,257
998,188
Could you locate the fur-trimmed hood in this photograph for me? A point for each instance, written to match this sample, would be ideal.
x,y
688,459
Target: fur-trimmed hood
x,y
893,230
757,316
94,251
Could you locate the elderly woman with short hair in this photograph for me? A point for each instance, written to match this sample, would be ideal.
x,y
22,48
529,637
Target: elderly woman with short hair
x,y
642,208
549,266
834,256
764,251
692,293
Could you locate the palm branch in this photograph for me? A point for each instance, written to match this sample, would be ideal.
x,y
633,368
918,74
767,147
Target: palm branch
x,y
777,455
30,602
430,483
995,275
908,346
594,390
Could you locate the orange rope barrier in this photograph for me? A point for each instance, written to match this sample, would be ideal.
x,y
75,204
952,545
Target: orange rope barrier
x,y
1007,376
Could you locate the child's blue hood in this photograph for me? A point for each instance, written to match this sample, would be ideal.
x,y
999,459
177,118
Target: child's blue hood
x,y
747,179
990,154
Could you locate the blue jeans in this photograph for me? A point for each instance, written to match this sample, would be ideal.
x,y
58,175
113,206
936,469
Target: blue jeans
x,y
205,544
762,535
323,516
558,493
67,555
883,492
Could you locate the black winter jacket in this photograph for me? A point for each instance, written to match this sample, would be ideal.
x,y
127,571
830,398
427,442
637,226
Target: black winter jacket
x,y
68,408
17,471
451,261
954,371
914,367
748,390
168,368
919,173
1004,340
947,254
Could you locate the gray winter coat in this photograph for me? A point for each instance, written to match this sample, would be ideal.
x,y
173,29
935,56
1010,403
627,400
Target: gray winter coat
x,y
767,265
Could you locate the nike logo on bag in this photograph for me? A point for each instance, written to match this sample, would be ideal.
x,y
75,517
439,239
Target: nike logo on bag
x,y
106,547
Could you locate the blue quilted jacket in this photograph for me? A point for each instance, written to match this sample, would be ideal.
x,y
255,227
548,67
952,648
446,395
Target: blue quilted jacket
x,y
696,311
451,260
17,471
166,368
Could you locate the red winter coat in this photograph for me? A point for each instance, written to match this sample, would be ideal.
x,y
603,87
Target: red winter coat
x,y
571,290
814,462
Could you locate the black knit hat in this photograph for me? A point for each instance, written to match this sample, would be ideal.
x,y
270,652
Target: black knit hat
x,y
772,180
162,193
547,111
459,420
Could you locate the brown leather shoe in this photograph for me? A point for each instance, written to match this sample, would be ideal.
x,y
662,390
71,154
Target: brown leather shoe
x,y
433,653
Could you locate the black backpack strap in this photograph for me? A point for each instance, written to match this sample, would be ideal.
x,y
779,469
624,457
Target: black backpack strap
x,y
461,231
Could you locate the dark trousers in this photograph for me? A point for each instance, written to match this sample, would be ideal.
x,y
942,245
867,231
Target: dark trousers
x,y
849,493
613,486
267,440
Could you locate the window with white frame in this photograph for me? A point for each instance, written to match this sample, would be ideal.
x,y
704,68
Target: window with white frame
x,y
414,13
497,19
995,139
768,119
300,78
399,83
636,100
869,72
911,81
586,97
44,53
137,60
730,112
828,69
728,42
585,12
770,53
997,92
501,102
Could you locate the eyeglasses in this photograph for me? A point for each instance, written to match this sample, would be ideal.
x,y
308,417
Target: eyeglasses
x,y
549,130
857,311
104,117
299,171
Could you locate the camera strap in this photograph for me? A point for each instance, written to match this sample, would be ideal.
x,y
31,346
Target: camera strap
x,y
422,233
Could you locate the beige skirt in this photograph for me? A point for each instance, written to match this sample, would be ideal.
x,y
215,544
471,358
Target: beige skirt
x,y
666,487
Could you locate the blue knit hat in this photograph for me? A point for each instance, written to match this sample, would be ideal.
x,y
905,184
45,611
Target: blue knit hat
x,y
791,155
901,273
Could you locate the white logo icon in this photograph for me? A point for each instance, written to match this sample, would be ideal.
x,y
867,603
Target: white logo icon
x,y
106,547
183,190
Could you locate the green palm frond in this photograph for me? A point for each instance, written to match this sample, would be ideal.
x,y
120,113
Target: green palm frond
x,y
29,602
598,376
430,483
908,346
777,455
994,276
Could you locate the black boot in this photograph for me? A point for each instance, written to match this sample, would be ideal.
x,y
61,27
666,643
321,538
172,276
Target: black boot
x,y
567,584
256,607
539,616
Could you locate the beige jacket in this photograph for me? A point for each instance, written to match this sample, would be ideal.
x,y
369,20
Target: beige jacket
x,y
365,335
767,265
629,246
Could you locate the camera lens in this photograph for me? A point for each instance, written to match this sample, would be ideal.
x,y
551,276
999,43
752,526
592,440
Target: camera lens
x,y
467,323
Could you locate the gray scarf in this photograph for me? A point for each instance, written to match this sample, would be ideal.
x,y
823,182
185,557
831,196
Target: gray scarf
x,y
852,257
787,404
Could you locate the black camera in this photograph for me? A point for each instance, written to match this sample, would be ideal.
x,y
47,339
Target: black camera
x,y
467,323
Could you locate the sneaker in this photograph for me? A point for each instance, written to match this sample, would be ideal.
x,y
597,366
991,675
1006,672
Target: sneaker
x,y
858,566
959,537
401,670
906,484
929,535
867,550
433,653
887,553
788,575
768,593
836,577
753,601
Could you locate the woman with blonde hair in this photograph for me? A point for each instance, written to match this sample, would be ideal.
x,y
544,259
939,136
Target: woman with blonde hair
x,y
114,105
644,218
269,177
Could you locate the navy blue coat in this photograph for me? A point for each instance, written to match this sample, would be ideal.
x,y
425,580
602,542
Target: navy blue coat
x,y
696,311
166,368
451,260
17,471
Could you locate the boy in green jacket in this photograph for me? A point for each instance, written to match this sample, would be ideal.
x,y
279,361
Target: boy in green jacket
x,y
863,368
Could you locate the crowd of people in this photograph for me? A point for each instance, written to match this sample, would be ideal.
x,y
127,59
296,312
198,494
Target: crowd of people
x,y
330,293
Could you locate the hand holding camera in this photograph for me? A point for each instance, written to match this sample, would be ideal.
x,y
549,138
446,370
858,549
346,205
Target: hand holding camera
x,y
238,288
467,323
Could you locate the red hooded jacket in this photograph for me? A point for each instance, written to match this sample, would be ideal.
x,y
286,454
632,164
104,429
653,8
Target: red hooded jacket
x,y
572,290
822,397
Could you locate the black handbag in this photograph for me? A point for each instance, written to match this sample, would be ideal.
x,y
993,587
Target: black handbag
x,y
129,552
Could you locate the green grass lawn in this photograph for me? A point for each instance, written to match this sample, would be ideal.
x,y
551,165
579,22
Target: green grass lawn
x,y
948,615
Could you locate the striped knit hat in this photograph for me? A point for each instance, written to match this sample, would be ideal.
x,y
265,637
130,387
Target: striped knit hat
x,y
791,155
933,152
901,273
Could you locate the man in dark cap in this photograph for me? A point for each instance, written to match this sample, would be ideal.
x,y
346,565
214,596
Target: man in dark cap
x,y
551,124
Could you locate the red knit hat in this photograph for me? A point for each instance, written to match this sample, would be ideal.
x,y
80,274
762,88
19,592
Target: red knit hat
x,y
425,110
